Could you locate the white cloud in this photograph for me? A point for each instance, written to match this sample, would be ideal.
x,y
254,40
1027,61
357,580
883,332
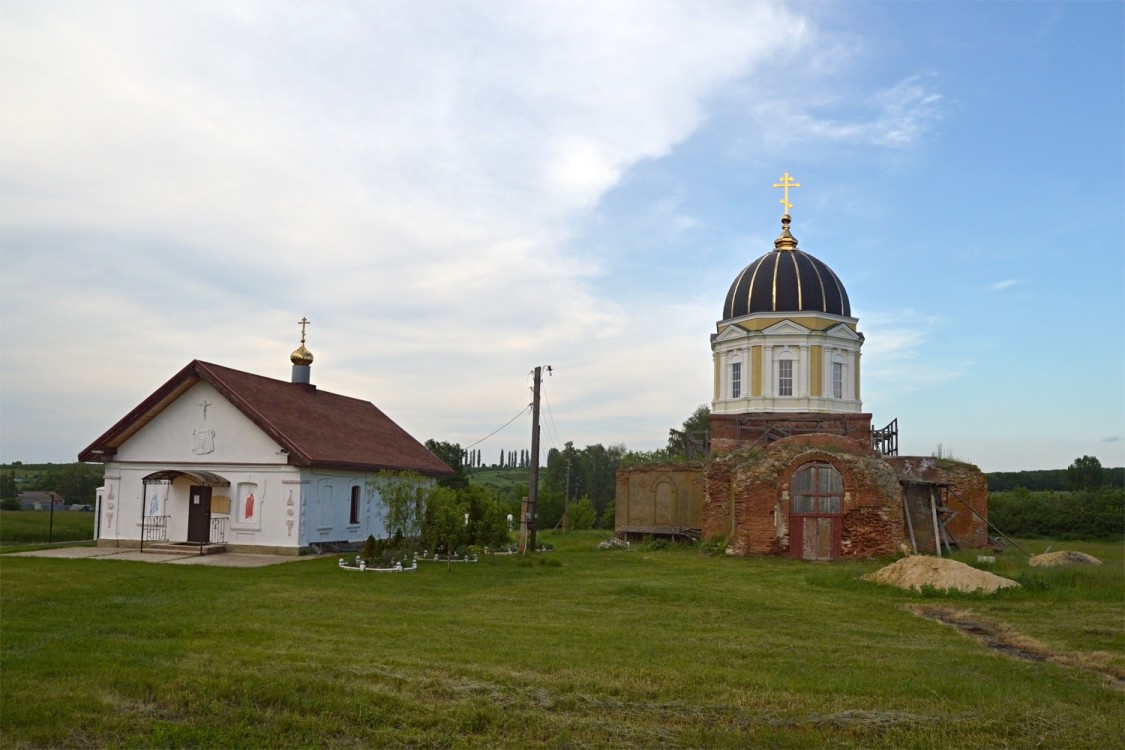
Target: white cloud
x,y
1000,286
893,117
186,180
897,355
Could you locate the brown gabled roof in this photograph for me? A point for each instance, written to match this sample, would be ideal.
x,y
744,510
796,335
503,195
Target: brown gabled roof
x,y
317,428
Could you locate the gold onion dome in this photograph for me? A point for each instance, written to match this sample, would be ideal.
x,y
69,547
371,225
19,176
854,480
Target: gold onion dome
x,y
301,356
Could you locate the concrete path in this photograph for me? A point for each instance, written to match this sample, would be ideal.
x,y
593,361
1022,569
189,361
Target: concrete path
x,y
223,560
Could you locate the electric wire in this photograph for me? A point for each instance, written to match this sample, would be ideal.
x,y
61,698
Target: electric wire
x,y
556,443
523,411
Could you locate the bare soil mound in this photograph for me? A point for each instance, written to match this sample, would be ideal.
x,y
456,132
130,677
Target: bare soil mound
x,y
1062,557
917,571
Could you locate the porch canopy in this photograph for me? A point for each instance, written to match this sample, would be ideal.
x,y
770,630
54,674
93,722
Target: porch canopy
x,y
200,478
155,528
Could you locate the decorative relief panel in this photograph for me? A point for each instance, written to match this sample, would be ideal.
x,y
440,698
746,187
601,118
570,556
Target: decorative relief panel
x,y
202,442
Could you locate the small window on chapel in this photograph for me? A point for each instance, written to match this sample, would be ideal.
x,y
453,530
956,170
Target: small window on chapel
x,y
837,380
354,515
785,377
736,379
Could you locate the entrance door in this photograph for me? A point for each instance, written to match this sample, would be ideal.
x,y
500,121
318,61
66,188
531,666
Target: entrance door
x,y
199,515
816,512
818,538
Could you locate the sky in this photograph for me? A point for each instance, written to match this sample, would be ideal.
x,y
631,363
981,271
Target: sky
x,y
454,193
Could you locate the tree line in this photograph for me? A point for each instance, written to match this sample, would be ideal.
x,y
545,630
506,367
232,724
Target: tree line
x,y
76,483
1085,472
1083,501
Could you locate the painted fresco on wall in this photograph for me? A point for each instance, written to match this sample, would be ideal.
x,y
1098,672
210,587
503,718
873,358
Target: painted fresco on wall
x,y
248,507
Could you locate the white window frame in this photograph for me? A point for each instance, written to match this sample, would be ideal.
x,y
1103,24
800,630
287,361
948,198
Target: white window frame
x,y
736,379
784,364
838,370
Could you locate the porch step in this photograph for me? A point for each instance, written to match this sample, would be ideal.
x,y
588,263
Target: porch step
x,y
184,548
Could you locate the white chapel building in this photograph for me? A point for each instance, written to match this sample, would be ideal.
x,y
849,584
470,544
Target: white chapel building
x,y
227,460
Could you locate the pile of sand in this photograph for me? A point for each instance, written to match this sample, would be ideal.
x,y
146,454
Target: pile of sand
x,y
917,571
1051,559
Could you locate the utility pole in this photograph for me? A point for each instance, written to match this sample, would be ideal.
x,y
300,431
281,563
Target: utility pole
x,y
533,472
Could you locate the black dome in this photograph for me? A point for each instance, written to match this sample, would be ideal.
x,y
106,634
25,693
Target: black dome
x,y
786,280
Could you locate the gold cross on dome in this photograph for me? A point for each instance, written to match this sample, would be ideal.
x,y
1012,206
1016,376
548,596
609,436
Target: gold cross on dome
x,y
786,183
303,322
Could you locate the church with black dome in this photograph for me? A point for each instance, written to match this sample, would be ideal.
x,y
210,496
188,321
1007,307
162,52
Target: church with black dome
x,y
787,346
792,465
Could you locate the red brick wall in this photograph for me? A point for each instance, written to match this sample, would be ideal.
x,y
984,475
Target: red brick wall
x,y
968,483
743,496
747,496
730,432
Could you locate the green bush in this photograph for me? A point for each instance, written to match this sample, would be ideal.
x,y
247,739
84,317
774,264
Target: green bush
x,y
581,515
1089,514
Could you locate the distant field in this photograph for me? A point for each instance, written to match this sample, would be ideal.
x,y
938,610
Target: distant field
x,y
576,648
511,482
35,526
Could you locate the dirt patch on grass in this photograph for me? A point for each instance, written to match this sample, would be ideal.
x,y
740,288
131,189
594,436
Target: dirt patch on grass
x,y
1010,642
918,571
1062,557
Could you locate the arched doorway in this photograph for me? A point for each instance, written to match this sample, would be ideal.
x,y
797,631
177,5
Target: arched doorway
x,y
160,509
816,510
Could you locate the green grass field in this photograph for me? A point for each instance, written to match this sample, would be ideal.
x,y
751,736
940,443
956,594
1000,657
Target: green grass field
x,y
510,483
35,526
603,648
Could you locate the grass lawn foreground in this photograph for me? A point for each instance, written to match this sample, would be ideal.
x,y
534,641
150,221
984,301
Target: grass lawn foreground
x,y
598,648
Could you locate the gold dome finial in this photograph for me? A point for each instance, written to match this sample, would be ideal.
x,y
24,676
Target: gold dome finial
x,y
301,355
785,241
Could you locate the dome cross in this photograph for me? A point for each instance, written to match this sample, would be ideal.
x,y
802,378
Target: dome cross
x,y
786,183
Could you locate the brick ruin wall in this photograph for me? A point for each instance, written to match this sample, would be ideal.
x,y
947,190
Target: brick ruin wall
x,y
665,497
731,432
968,483
743,496
747,496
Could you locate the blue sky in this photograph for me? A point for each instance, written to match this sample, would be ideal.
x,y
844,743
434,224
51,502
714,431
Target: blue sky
x,y
456,192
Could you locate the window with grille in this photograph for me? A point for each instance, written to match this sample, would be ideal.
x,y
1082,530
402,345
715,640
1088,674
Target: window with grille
x,y
818,489
785,377
735,379
837,380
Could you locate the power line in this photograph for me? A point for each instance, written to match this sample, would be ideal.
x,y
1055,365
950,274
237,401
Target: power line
x,y
523,411
551,419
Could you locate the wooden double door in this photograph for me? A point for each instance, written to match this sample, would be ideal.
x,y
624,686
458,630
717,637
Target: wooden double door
x,y
816,512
